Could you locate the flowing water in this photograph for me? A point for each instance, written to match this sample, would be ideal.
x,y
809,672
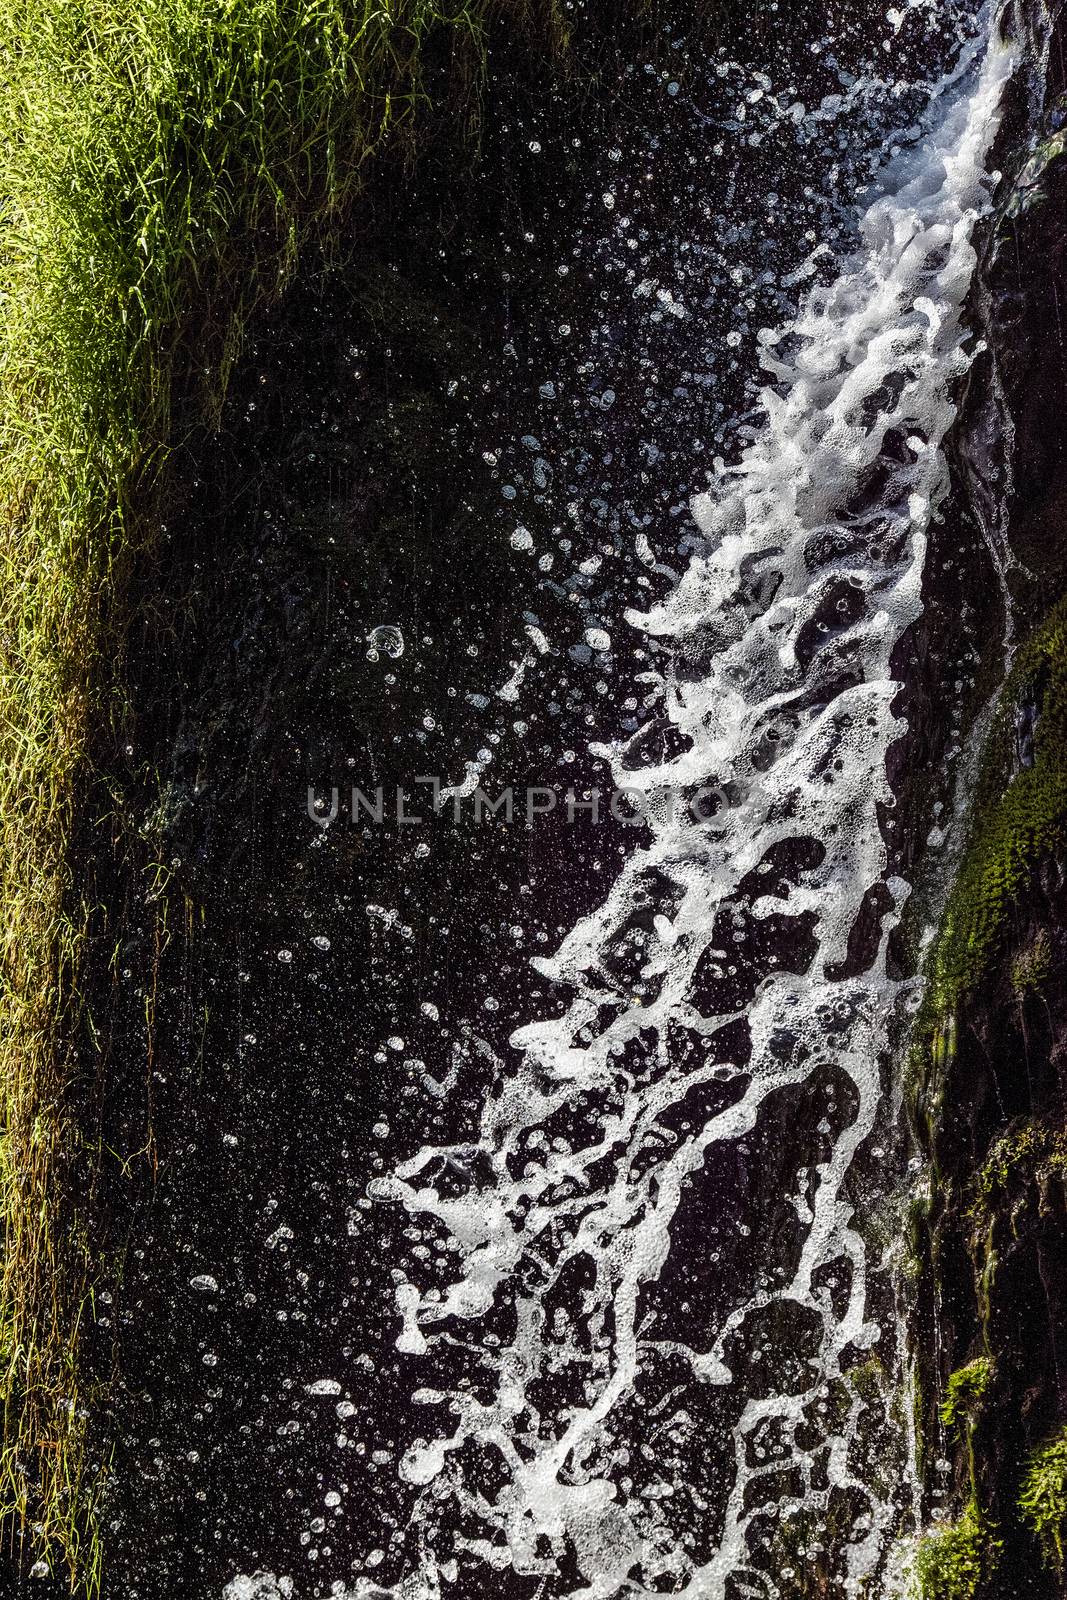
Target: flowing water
x,y
642,1306
569,1202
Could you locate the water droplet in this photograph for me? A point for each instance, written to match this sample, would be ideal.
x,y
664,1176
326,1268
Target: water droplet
x,y
386,639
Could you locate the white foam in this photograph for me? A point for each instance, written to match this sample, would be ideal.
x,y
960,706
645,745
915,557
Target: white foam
x,y
260,1586
780,636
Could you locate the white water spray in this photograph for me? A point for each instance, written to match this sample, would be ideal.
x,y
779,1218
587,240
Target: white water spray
x,y
778,687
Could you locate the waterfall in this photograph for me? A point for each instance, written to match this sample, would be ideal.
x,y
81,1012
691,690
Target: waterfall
x,y
630,1383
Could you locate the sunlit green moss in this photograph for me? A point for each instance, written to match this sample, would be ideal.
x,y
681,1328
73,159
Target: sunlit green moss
x,y
964,1393
961,1407
1020,815
1022,1157
1043,1500
952,1562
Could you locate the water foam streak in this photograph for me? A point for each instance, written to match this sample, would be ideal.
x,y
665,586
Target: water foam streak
x,y
755,941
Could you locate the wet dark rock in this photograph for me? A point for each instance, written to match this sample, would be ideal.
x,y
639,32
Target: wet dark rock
x,y
348,506
990,1103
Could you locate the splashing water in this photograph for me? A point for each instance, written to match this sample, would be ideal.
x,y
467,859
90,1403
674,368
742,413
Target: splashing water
x,y
646,1382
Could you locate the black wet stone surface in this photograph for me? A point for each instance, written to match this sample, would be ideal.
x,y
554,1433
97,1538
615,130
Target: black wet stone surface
x,y
283,1007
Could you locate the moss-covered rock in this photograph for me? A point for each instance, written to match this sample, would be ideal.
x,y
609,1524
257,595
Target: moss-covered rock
x,y
953,1562
964,1393
987,1082
1019,819
1043,1499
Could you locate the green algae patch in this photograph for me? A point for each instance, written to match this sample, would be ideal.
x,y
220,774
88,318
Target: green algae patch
x,y
1043,1500
953,1562
165,165
1019,817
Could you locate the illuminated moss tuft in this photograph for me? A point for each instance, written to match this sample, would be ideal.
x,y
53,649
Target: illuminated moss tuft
x,y
1043,1500
964,1393
954,1561
1020,815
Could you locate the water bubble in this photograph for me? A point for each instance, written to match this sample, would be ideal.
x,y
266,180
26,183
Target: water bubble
x,y
387,639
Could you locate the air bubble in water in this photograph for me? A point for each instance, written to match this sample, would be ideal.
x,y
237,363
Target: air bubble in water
x,y
386,639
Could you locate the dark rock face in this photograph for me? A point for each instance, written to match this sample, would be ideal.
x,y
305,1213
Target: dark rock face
x,y
343,503
989,1091
232,1066
249,999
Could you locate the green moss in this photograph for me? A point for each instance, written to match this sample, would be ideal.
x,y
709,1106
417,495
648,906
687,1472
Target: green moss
x,y
961,1407
164,166
1043,1499
915,1233
964,1393
953,1562
1029,1154
1032,968
1018,817
868,1379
